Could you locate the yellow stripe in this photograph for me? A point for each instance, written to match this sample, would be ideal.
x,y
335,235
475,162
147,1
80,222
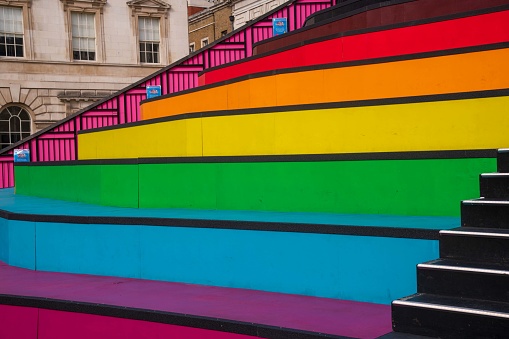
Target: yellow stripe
x,y
443,125
467,72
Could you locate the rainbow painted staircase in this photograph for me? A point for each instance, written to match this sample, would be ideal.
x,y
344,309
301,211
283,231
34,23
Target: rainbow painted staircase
x,y
291,195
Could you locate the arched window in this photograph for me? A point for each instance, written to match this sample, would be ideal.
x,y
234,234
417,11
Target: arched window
x,y
15,124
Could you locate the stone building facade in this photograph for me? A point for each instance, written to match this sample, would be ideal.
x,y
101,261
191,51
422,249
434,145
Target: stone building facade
x,y
246,10
59,56
209,25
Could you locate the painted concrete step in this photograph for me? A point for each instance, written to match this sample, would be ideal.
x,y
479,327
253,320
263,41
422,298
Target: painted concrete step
x,y
485,213
463,279
448,317
503,160
475,244
494,186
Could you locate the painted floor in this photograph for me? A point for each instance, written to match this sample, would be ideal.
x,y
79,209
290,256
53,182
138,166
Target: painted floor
x,y
331,316
33,205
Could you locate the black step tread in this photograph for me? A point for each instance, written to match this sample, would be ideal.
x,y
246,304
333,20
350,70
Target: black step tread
x,y
467,266
458,305
477,232
495,174
483,201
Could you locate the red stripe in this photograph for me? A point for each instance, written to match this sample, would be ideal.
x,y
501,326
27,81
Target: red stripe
x,y
466,32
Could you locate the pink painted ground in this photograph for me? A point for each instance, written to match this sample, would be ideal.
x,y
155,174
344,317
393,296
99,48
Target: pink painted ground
x,y
331,316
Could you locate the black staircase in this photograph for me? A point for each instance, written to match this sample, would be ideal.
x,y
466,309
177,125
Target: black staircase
x,y
465,293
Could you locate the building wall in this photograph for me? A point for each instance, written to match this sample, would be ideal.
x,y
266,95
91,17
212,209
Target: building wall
x,y
247,10
210,23
51,85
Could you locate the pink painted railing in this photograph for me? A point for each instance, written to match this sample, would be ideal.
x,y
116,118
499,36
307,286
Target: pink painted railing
x,y
59,142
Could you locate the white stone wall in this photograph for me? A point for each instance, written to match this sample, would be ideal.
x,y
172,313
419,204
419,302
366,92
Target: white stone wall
x,y
178,34
51,85
247,10
119,33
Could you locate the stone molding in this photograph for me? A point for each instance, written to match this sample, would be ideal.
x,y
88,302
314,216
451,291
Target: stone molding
x,y
83,4
149,7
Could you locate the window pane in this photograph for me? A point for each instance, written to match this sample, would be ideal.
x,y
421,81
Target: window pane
x,y
15,124
5,115
11,20
25,126
23,115
19,51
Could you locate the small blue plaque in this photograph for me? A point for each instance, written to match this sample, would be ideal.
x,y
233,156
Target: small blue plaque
x,y
153,91
21,155
279,26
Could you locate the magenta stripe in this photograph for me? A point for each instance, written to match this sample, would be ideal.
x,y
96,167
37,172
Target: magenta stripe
x,y
323,315
30,323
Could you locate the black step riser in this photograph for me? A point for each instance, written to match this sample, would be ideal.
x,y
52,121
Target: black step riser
x,y
474,248
494,187
446,324
503,162
485,215
461,284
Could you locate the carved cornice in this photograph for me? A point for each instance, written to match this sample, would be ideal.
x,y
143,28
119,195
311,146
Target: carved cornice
x,y
83,4
149,7
16,2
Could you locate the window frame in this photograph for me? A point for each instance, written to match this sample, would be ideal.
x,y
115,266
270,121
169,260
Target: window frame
x,y
146,42
91,7
21,132
154,9
192,47
202,41
25,6
80,37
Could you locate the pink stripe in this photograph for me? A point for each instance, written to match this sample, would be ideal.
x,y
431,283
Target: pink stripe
x,y
57,136
99,114
18,322
65,325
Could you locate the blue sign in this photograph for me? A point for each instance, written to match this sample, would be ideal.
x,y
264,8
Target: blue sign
x,y
153,91
279,26
21,155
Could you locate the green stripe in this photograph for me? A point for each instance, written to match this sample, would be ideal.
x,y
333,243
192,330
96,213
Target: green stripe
x,y
431,187
110,185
